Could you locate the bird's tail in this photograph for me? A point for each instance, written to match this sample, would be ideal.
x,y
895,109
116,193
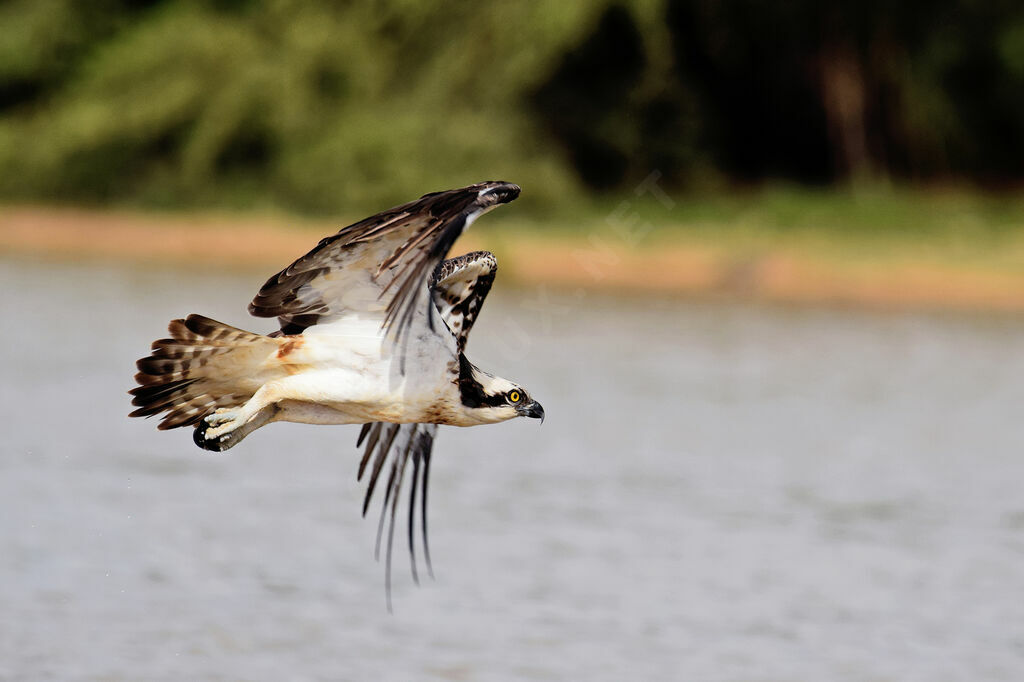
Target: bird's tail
x,y
203,366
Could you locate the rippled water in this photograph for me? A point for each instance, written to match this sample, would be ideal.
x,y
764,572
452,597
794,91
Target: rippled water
x,y
719,492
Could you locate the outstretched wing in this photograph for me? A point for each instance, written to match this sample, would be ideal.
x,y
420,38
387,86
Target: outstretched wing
x,y
376,268
459,287
400,443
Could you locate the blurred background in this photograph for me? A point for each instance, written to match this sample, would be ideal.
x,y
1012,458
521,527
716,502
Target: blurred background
x,y
338,106
766,277
784,151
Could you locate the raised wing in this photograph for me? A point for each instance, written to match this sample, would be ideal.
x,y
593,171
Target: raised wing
x,y
402,442
459,287
376,268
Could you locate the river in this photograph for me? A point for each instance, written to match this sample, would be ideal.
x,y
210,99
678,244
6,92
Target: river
x,y
720,492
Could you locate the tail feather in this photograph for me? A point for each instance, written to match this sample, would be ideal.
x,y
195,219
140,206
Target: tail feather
x,y
203,366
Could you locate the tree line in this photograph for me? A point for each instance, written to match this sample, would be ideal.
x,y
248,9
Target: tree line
x,y
326,105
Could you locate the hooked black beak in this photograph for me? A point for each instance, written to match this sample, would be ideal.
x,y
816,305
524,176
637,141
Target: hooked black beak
x,y
534,409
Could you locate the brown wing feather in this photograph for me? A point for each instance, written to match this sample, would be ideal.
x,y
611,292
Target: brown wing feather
x,y
378,266
401,443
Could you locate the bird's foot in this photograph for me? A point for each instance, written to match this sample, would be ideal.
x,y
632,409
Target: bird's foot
x,y
217,431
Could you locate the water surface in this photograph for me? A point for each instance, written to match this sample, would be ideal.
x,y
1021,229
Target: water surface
x,y
720,492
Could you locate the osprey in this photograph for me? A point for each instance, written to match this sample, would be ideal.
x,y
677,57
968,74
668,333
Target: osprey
x,y
373,331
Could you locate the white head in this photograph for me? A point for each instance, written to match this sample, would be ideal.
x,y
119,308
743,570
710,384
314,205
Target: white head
x,y
488,399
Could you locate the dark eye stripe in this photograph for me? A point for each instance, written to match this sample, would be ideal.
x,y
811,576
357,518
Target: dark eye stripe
x,y
472,392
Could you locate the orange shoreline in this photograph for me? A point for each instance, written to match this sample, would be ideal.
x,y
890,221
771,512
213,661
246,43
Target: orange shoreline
x,y
673,269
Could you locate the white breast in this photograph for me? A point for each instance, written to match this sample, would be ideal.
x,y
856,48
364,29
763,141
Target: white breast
x,y
350,367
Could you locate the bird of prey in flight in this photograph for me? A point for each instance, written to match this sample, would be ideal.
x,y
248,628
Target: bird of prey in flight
x,y
373,329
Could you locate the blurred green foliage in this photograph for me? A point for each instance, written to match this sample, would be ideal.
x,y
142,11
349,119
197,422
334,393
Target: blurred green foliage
x,y
344,105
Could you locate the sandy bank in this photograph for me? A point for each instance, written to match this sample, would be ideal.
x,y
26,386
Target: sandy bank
x,y
692,269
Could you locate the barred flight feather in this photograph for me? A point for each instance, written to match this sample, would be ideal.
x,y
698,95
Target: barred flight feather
x,y
203,366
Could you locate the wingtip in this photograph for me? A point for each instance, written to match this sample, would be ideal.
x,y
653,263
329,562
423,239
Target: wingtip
x,y
499,191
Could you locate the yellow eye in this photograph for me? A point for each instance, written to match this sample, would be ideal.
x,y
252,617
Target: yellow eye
x,y
514,396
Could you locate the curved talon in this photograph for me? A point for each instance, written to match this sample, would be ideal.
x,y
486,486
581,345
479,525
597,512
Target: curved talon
x,y
199,436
